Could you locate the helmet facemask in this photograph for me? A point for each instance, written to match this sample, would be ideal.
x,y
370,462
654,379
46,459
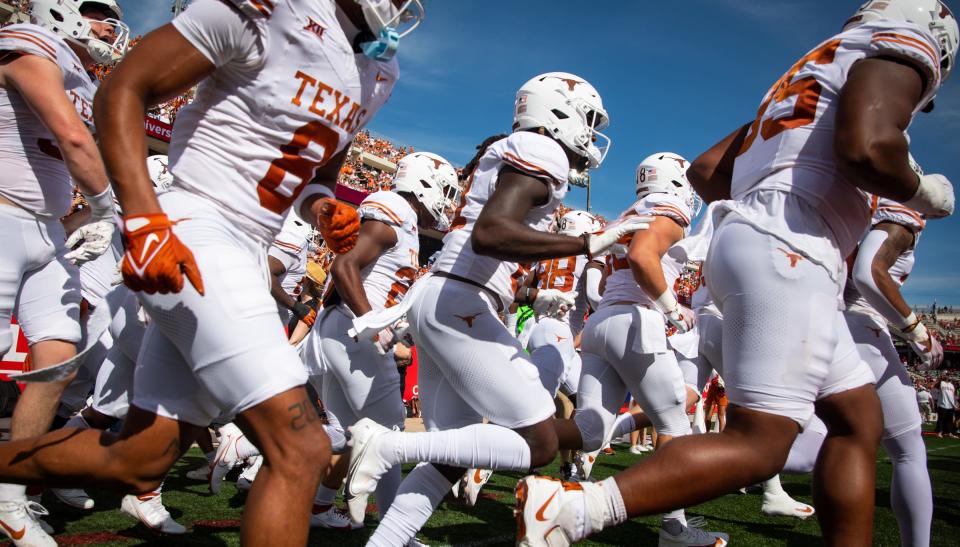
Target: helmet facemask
x,y
389,24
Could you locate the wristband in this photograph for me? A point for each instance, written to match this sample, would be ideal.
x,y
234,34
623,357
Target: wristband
x,y
930,197
101,205
908,323
308,191
666,302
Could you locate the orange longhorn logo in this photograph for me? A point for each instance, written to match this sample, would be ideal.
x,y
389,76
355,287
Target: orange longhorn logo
x,y
876,331
468,319
559,338
436,163
794,257
571,83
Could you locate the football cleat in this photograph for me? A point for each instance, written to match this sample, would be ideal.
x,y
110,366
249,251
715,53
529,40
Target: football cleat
x,y
227,456
552,513
584,462
332,517
20,521
693,535
200,473
782,505
148,508
366,466
74,497
245,480
472,481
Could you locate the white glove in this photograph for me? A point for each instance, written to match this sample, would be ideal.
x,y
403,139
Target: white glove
x,y
682,318
934,196
390,336
90,241
602,241
553,302
925,346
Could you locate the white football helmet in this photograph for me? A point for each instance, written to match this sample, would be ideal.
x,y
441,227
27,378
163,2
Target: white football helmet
x,y
159,173
930,14
427,176
389,23
569,109
574,223
64,17
667,172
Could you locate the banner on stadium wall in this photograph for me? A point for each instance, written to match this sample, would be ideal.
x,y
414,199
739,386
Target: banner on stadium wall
x,y
158,129
410,387
14,359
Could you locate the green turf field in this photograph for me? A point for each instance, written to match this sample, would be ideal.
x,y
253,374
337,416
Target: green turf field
x,y
214,520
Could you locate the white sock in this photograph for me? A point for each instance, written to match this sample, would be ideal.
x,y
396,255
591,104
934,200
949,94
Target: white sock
x,y
325,496
624,425
387,488
338,442
911,495
674,521
420,493
510,320
76,422
603,505
773,487
479,446
12,492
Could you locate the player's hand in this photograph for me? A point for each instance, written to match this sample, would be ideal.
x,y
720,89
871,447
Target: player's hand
x,y
925,346
90,241
934,197
553,302
305,313
391,336
156,260
682,319
601,242
339,225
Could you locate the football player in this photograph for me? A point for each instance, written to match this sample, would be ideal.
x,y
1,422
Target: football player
x,y
46,96
883,261
470,366
283,88
829,130
287,260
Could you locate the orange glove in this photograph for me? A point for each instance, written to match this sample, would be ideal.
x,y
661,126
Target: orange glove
x,y
339,225
156,260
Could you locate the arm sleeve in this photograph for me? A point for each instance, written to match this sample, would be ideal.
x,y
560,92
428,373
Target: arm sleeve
x,y
863,276
222,33
537,156
25,39
594,275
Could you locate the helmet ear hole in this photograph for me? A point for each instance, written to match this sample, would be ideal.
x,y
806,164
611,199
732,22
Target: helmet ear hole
x,y
56,15
559,115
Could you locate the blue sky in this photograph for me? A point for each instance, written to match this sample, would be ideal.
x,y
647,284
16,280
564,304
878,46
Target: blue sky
x,y
673,76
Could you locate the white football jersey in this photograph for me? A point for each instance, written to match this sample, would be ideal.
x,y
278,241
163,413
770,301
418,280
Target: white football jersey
x,y
789,146
35,176
531,153
390,276
621,285
566,274
290,248
887,210
288,93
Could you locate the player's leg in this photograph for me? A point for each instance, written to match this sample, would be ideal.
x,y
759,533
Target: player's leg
x,y
911,494
426,485
806,447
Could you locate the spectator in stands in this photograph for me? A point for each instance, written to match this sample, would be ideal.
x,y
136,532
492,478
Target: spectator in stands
x,y
946,405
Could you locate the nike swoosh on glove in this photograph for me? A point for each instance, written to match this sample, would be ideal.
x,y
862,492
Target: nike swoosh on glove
x,y
305,313
339,225
90,241
602,241
553,302
156,260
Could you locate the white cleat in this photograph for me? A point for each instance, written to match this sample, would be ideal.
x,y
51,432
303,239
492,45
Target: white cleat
x,y
20,521
782,505
471,483
199,474
693,535
639,449
74,497
149,509
332,517
366,466
227,456
549,512
584,462
245,480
